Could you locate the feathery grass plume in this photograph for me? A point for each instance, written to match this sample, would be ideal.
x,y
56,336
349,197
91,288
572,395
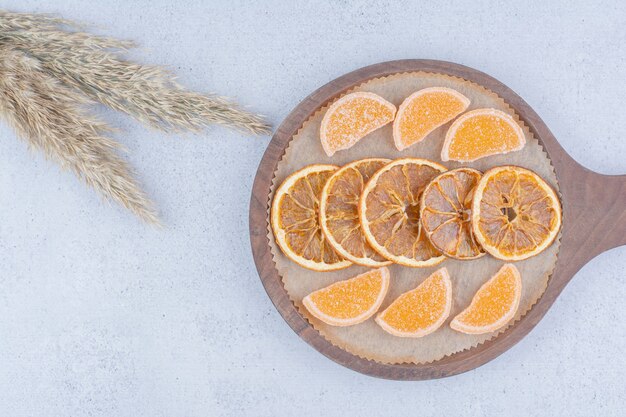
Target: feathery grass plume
x,y
51,117
93,65
49,72
24,21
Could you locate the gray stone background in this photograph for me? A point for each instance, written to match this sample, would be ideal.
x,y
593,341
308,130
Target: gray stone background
x,y
101,315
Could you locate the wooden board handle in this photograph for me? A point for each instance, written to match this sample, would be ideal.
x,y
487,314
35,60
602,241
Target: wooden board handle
x,y
610,198
595,210
605,203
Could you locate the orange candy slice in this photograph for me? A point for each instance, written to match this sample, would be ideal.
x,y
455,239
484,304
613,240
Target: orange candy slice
x,y
421,311
349,302
351,118
389,210
339,212
494,305
295,220
424,111
480,133
515,213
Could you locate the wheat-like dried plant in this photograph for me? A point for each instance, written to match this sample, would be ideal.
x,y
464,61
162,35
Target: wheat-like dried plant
x,y
51,117
93,65
50,71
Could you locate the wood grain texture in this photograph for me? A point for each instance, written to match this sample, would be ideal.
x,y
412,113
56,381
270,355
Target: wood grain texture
x,y
594,220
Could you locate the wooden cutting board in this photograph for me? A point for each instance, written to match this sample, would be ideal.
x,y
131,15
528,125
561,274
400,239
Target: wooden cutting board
x,y
594,221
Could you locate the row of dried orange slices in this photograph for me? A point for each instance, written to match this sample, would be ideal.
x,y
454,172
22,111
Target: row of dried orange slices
x,y
469,138
412,212
421,311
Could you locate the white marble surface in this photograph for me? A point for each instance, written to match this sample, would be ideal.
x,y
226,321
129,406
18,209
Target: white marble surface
x,y
102,316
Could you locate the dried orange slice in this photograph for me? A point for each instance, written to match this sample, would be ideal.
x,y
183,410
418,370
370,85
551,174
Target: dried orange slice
x,y
446,213
351,118
295,220
421,311
493,305
349,302
424,111
339,212
515,214
480,133
389,212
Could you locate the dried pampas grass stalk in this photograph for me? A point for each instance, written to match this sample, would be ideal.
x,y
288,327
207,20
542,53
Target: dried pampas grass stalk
x,y
24,21
93,65
49,72
50,117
